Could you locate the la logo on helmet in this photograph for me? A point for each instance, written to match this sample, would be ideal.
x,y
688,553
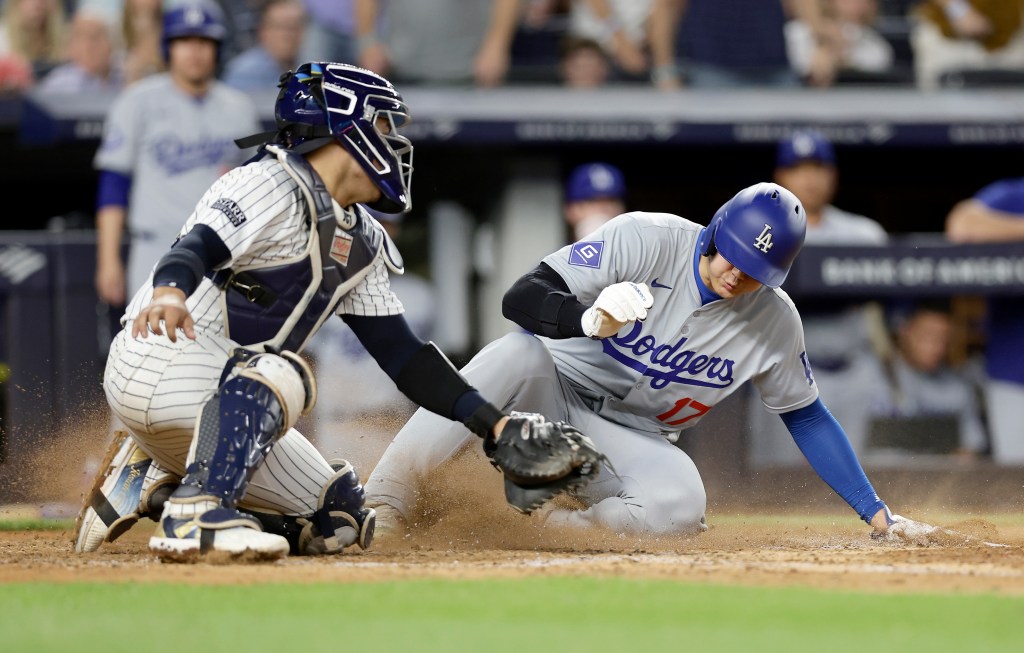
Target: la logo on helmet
x,y
764,241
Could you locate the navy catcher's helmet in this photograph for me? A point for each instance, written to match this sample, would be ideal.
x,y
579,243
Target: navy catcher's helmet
x,y
193,18
760,231
324,101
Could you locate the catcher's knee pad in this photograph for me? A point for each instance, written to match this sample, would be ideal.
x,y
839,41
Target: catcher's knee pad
x,y
339,521
286,374
261,398
128,486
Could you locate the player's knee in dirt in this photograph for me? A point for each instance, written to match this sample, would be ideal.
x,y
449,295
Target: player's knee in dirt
x,y
664,510
677,512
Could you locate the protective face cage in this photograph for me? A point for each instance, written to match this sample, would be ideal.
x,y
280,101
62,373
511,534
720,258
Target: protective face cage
x,y
322,101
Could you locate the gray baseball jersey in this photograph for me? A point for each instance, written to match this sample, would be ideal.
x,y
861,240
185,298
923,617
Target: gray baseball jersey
x,y
665,373
630,393
173,146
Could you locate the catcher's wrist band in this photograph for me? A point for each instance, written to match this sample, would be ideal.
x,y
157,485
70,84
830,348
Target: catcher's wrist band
x,y
482,421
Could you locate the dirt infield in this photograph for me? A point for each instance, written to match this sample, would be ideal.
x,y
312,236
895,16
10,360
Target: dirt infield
x,y
464,529
754,551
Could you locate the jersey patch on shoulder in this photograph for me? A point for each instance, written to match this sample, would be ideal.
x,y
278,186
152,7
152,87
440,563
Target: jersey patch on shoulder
x,y
230,209
587,254
807,368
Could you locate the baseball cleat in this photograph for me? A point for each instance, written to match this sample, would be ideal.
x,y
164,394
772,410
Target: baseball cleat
x,y
390,525
128,486
220,530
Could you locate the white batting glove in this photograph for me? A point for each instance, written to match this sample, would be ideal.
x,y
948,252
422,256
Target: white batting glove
x,y
903,530
617,305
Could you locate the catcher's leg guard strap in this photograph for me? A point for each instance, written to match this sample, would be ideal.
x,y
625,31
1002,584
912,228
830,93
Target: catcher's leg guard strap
x,y
339,521
236,430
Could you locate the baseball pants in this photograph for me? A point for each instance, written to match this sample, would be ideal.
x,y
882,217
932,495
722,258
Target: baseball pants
x,y
157,388
658,489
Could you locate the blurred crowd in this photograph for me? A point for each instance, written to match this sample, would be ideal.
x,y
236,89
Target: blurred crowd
x,y
85,45
892,373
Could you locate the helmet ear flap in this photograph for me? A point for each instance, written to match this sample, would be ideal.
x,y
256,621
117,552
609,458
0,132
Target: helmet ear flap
x,y
709,248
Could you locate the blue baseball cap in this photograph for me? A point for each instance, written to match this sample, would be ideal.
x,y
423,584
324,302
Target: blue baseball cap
x,y
596,180
804,145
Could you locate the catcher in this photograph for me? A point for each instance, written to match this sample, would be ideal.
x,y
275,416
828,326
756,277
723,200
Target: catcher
x,y
206,373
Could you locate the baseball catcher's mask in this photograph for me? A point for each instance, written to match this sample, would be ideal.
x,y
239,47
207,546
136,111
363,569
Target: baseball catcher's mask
x,y
322,101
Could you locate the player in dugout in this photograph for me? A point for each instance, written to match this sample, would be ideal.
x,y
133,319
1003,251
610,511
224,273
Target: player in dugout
x,y
635,333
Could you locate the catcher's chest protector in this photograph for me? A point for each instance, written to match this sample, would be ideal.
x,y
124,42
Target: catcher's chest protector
x,y
282,305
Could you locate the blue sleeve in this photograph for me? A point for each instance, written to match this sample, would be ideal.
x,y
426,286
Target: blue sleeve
x,y
825,445
113,189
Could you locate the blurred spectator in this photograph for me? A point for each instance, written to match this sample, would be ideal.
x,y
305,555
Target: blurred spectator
x,y
165,140
141,28
331,31
996,214
279,38
731,43
852,43
451,42
954,36
370,408
840,336
92,63
32,39
242,18
920,382
619,26
594,194
583,64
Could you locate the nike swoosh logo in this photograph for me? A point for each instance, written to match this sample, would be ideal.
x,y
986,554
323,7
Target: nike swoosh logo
x,y
655,284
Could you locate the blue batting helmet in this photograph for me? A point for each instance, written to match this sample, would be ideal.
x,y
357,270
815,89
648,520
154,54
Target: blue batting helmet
x,y
193,18
804,145
324,101
760,231
596,180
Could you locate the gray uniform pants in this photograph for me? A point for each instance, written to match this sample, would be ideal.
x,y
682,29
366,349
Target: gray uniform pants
x,y
658,489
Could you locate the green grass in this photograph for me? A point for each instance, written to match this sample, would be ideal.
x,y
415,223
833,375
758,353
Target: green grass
x,y
539,615
35,524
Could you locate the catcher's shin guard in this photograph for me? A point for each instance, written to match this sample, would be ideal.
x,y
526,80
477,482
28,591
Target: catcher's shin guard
x,y
256,405
128,486
340,520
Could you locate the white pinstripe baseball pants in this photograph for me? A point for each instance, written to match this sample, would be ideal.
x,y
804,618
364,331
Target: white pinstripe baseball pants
x,y
157,388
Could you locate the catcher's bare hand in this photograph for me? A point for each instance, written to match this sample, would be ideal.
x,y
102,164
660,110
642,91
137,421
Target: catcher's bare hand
x,y
168,306
541,459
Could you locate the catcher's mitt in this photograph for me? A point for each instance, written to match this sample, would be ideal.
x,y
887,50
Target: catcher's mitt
x,y
541,459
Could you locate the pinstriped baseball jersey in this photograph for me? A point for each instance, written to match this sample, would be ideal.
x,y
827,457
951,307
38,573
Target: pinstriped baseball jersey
x,y
663,374
275,226
260,214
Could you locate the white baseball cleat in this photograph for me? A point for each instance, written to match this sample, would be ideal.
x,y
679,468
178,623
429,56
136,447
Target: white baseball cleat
x,y
217,530
128,486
